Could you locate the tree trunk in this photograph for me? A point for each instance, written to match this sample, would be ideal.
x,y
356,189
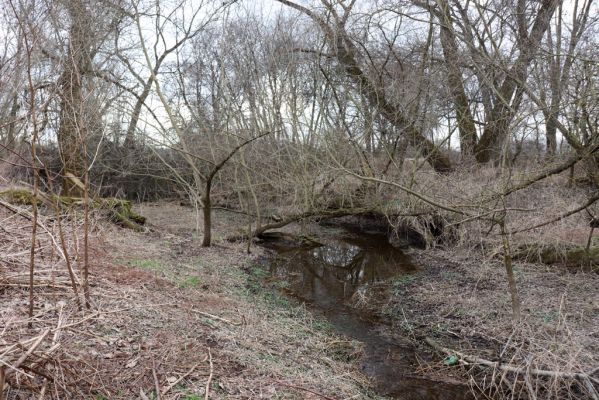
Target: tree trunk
x,y
511,91
71,129
373,91
130,135
465,120
69,132
376,96
207,211
507,261
551,135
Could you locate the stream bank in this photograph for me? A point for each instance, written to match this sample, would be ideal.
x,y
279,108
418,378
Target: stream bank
x,y
453,296
456,296
330,278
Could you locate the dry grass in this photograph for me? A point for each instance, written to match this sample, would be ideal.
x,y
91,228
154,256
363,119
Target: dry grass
x,y
166,314
168,311
461,295
462,300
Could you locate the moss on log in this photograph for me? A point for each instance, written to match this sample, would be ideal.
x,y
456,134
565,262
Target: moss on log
x,y
119,211
20,197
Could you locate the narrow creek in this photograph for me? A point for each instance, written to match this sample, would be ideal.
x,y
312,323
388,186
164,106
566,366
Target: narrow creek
x,y
327,277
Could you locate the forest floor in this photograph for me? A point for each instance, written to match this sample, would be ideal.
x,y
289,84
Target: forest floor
x,y
462,302
194,323
170,316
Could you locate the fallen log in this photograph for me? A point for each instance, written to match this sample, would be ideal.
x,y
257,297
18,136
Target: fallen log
x,y
119,211
567,255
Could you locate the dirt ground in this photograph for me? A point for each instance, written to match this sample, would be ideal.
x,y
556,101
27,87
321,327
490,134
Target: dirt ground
x,y
167,316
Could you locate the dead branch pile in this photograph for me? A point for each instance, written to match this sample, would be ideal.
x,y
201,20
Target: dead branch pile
x,y
30,348
552,353
66,350
517,373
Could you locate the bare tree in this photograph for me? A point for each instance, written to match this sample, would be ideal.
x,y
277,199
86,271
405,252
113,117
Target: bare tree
x,y
346,51
560,64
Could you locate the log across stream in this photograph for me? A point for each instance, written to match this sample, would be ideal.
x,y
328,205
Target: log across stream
x,y
328,276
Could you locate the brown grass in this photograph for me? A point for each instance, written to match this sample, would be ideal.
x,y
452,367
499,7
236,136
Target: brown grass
x,y
462,300
460,296
161,306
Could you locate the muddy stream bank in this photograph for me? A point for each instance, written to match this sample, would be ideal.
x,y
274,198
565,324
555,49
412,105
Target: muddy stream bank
x,y
327,277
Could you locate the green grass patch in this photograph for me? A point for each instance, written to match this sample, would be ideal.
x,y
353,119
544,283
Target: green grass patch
x,y
191,397
449,275
190,282
321,324
400,283
548,317
183,281
148,264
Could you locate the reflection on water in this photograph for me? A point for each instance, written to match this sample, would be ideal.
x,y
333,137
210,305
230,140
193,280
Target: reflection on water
x,y
327,277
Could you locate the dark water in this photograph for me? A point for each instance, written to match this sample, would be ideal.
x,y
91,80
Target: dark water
x,y
327,277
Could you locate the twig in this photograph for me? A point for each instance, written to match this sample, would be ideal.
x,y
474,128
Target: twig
x,y
142,395
17,364
8,349
156,383
586,205
35,285
216,317
209,376
42,395
31,349
185,375
25,214
580,376
531,390
91,316
10,367
55,343
592,391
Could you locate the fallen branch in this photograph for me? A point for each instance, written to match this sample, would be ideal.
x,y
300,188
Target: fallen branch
x,y
34,346
586,205
584,378
156,381
216,317
72,324
142,395
185,375
14,368
309,214
27,215
209,376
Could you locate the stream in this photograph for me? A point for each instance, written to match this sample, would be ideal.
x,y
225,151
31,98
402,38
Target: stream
x,y
327,277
